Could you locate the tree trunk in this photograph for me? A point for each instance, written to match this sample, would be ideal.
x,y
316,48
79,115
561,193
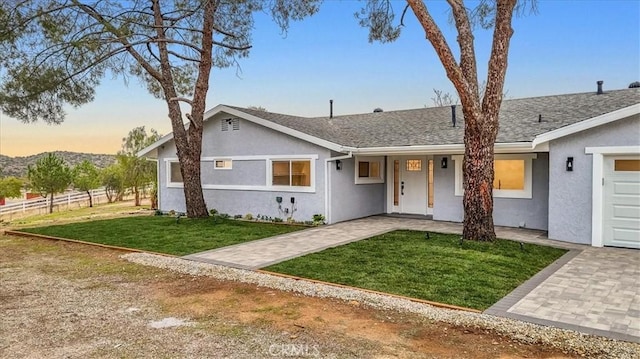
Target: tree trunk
x,y
190,167
188,141
90,199
478,178
136,191
51,203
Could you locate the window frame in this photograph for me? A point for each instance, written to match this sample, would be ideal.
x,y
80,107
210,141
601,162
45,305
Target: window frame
x,y
225,161
369,180
312,174
168,163
526,193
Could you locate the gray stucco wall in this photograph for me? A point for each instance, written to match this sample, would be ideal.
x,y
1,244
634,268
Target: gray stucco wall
x,y
350,200
250,140
510,212
570,192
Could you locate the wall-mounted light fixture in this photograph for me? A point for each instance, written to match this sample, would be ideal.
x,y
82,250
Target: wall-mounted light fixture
x,y
569,164
443,162
338,165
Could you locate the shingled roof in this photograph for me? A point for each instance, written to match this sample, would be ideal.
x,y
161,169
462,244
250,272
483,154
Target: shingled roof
x,y
432,126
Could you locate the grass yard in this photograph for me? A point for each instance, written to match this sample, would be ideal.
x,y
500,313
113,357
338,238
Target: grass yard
x,y
162,234
474,275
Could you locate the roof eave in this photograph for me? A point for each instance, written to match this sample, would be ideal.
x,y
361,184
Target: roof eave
x,y
286,130
587,124
451,149
257,120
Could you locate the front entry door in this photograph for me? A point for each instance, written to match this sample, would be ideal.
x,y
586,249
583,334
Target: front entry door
x,y
410,184
413,179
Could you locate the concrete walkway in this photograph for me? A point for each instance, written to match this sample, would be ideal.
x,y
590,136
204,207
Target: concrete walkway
x,y
590,290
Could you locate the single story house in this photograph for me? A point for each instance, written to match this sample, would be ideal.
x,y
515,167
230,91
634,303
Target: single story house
x,y
567,164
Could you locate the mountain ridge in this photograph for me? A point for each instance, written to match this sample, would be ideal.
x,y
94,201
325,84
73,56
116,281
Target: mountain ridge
x,y
17,166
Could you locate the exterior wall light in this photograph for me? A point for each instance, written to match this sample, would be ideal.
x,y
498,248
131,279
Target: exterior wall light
x,y
443,162
338,165
569,164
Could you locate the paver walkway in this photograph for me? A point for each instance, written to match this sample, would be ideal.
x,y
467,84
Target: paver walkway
x,y
264,252
594,291
591,290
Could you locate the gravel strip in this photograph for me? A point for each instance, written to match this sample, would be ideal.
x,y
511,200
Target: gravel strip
x,y
565,340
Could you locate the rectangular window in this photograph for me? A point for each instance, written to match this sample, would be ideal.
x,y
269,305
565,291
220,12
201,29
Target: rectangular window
x,y
291,173
414,165
363,169
626,165
513,175
396,182
430,185
508,174
222,164
175,176
369,170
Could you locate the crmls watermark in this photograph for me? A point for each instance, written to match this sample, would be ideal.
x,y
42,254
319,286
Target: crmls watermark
x,y
294,350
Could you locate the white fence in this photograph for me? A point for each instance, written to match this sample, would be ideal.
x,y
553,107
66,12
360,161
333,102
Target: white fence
x,y
41,205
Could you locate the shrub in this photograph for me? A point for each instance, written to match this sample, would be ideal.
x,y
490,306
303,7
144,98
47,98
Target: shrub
x,y
213,211
237,216
277,220
318,219
248,216
224,215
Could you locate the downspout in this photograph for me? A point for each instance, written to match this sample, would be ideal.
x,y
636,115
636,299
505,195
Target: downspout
x,y
327,184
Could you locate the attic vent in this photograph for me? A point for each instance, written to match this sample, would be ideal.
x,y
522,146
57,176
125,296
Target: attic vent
x,y
378,109
233,122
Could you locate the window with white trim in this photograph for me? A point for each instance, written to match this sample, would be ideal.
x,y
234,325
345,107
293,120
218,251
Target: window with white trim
x,y
223,164
513,175
173,172
291,173
369,170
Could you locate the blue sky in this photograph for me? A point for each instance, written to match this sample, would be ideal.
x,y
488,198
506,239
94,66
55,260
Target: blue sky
x,y
565,48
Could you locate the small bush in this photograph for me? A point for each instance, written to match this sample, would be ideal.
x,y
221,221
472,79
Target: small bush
x,y
237,216
277,220
248,216
158,213
318,219
213,211
224,215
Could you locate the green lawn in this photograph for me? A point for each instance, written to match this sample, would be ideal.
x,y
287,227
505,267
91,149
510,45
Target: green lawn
x,y
162,234
474,275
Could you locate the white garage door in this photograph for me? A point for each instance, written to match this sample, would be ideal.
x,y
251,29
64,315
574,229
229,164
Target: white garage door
x,y
621,226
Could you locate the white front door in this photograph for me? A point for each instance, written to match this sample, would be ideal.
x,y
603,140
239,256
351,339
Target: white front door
x,y
414,185
621,205
408,185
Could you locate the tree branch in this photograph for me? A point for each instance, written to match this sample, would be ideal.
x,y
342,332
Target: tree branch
x,y
499,53
182,99
437,39
95,15
467,51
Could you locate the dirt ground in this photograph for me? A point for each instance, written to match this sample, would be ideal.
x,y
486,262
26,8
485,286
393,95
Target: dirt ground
x,y
64,300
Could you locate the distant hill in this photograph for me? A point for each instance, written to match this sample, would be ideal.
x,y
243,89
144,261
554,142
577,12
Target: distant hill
x,y
17,166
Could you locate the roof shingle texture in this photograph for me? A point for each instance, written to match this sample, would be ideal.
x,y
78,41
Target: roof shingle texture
x,y
432,126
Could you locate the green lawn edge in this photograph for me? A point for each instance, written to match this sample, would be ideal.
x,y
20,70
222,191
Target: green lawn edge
x,y
164,234
440,269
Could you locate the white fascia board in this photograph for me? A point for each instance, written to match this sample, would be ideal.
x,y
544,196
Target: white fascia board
x,y
613,150
587,124
516,147
286,130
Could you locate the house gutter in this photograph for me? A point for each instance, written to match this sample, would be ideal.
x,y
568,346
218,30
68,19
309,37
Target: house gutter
x,y
327,183
453,149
